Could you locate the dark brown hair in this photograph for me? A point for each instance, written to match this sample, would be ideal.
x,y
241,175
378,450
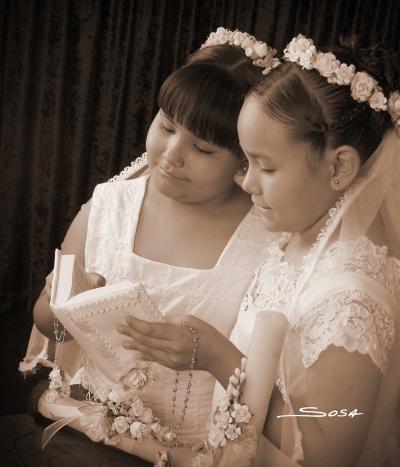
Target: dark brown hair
x,y
205,95
324,115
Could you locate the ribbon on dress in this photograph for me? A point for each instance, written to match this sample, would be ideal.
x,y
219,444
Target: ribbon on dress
x,y
95,411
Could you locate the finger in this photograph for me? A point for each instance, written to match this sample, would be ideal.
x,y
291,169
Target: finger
x,y
163,331
147,341
148,355
97,279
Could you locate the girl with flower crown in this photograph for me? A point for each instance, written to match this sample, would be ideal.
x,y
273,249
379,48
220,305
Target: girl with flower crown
x,y
186,231
321,134
324,167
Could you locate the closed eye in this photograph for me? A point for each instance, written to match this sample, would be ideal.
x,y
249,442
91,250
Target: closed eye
x,y
167,128
204,151
267,170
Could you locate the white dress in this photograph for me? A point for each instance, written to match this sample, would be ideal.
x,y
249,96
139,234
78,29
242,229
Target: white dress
x,y
351,301
214,295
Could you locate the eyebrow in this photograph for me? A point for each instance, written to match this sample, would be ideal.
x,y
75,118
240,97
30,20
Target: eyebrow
x,y
259,156
165,115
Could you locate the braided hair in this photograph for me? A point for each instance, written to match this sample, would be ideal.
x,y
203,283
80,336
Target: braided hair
x,y
324,114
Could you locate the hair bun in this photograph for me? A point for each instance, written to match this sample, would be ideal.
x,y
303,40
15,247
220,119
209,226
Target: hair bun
x,y
383,64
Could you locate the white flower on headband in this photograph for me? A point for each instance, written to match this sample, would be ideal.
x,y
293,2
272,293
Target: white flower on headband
x,y
362,86
326,64
302,51
259,52
378,101
343,75
394,107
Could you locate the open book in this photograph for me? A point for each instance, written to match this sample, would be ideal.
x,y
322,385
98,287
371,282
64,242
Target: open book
x,y
91,315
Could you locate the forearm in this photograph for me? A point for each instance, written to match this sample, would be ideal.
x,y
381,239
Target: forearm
x,y
224,358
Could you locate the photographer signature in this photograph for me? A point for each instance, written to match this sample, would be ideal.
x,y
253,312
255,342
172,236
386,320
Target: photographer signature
x,y
315,413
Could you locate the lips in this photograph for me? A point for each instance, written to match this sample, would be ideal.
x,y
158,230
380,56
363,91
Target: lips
x,y
260,206
166,172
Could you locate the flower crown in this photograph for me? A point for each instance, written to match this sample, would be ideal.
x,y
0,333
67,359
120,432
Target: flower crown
x,y
364,88
259,52
301,50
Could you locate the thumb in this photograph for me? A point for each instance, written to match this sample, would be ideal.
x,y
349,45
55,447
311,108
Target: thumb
x,y
97,279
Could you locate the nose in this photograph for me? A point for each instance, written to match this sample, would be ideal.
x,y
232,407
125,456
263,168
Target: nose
x,y
250,182
174,153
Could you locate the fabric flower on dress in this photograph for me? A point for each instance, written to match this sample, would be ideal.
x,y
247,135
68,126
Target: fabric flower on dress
x,y
241,413
136,430
222,419
121,424
216,437
135,379
233,432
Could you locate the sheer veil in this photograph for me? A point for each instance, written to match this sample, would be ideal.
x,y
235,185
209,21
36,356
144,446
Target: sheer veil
x,y
369,208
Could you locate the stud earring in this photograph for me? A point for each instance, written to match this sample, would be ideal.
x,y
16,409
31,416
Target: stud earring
x,y
336,182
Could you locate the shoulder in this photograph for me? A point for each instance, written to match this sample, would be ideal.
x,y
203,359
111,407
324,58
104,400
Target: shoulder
x,y
358,309
363,257
112,193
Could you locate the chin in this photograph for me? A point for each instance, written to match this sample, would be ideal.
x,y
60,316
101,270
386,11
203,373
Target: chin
x,y
272,225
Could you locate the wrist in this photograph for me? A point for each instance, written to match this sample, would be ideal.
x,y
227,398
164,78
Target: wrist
x,y
224,358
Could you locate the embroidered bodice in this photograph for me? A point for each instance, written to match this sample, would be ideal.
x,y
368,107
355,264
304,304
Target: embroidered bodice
x,y
214,294
349,298
350,318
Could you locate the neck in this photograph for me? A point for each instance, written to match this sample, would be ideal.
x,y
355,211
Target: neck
x,y
204,206
301,242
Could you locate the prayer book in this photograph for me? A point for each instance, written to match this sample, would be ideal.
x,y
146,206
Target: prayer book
x,y
92,315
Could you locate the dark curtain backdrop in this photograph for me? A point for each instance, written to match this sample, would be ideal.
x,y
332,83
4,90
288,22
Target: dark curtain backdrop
x,y
78,89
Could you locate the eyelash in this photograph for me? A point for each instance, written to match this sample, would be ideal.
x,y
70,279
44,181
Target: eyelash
x,y
165,128
267,170
172,130
204,151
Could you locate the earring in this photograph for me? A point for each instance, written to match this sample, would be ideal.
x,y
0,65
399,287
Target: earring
x,y
336,182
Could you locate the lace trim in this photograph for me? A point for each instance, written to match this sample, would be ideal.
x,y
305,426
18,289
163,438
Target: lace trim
x,y
349,319
129,170
298,451
363,255
29,365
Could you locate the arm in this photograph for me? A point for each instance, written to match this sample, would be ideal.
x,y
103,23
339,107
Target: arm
x,y
171,345
74,242
338,380
333,361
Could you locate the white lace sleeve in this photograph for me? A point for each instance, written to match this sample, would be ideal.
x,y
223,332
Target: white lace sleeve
x,y
136,165
349,319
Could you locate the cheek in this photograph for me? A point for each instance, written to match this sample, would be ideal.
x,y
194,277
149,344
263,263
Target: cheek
x,y
155,143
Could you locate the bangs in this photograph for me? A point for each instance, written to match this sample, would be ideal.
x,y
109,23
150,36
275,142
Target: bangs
x,y
205,100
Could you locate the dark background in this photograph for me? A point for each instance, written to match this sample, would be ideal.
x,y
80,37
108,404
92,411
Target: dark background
x,y
78,88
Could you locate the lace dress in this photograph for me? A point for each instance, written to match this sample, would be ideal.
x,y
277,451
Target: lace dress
x,y
350,302
213,295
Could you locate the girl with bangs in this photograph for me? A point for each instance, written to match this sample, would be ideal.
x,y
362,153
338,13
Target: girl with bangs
x,y
185,230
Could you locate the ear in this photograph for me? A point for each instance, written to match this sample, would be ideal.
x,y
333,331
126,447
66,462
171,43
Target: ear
x,y
345,165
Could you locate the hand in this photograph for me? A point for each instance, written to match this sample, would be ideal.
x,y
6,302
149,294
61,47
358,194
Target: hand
x,y
171,343
96,279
